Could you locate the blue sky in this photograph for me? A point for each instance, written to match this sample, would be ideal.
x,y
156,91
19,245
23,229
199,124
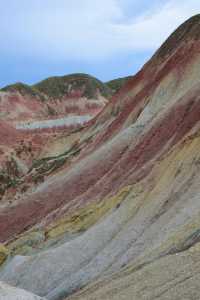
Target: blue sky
x,y
107,38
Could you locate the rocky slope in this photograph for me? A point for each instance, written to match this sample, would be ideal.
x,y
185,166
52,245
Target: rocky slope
x,y
116,84
45,120
120,219
66,102
53,98
47,113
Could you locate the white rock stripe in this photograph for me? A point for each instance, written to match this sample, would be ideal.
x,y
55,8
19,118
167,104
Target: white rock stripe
x,y
10,293
67,121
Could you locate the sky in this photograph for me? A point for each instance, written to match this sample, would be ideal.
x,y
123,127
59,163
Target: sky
x,y
105,38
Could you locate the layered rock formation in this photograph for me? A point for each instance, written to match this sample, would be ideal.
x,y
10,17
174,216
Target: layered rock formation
x,y
54,97
120,219
32,117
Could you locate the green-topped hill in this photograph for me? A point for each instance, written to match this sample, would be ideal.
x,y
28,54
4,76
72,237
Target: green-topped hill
x,y
22,88
58,86
116,84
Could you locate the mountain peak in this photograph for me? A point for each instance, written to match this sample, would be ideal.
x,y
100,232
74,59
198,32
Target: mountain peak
x,y
189,30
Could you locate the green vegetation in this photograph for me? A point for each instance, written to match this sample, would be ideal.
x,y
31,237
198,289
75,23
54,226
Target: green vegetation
x,y
7,181
56,87
116,84
45,166
23,89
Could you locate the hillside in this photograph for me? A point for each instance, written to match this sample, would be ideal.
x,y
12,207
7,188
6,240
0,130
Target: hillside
x,y
59,86
118,217
23,89
116,84
57,106
86,85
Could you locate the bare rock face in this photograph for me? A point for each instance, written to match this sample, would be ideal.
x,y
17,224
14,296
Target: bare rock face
x,y
116,215
10,293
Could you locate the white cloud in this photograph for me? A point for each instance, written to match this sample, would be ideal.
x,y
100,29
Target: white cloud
x,y
87,29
